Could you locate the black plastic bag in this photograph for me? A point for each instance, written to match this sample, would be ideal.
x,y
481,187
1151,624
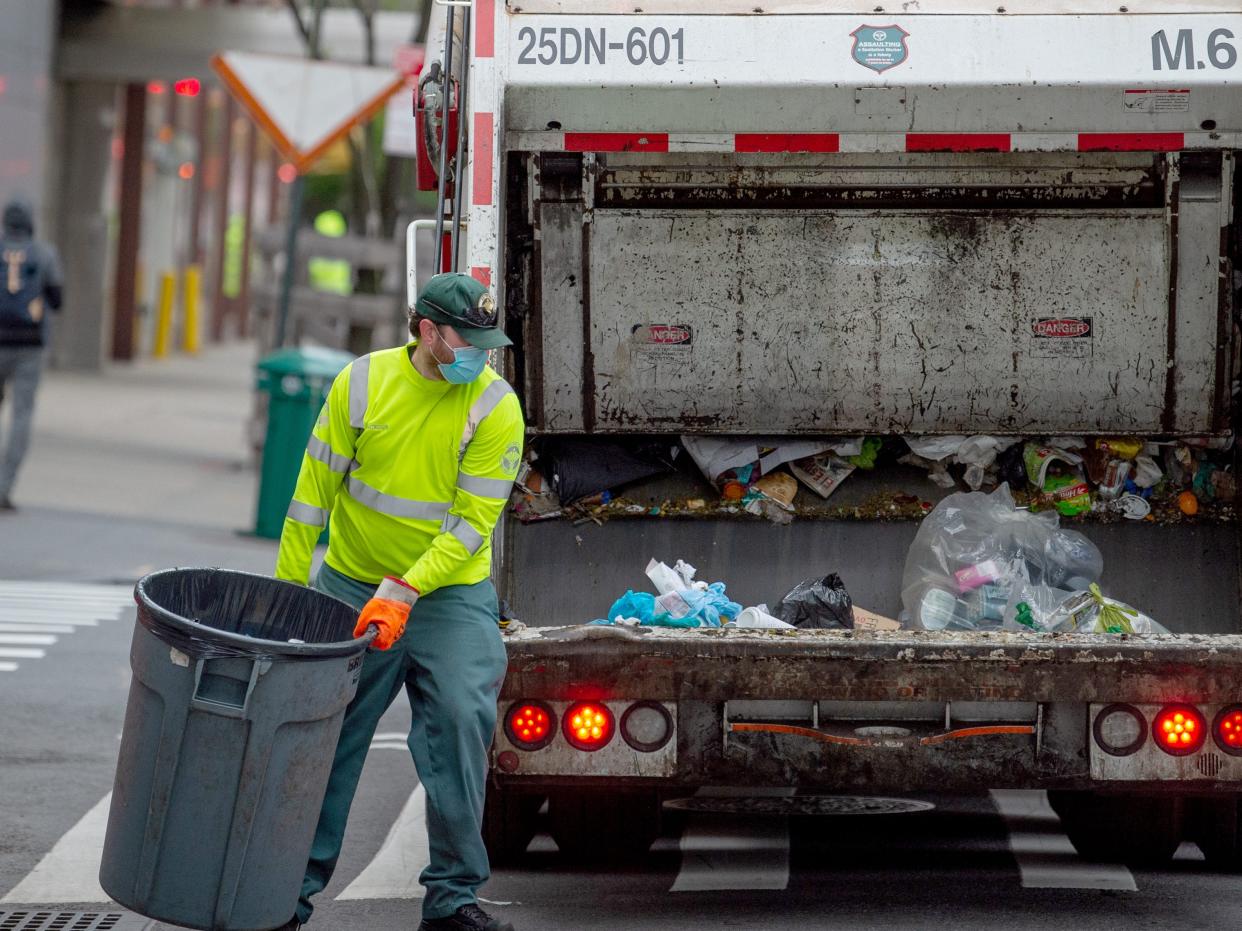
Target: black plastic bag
x,y
1011,468
218,613
818,603
577,468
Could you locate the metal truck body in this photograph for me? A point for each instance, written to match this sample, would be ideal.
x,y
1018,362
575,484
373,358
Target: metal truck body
x,y
828,219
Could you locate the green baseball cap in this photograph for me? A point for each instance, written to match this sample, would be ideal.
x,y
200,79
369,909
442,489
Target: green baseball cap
x,y
464,304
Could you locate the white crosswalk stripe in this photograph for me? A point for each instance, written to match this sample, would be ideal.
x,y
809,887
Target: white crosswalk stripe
x,y
70,870
724,853
9,628
1044,854
406,852
35,615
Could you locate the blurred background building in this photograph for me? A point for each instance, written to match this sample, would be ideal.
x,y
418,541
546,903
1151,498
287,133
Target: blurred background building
x,y
156,186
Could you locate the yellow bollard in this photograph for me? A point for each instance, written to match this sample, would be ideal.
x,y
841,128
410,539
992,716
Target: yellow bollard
x,y
163,322
189,339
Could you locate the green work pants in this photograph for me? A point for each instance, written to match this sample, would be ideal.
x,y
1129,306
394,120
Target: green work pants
x,y
451,662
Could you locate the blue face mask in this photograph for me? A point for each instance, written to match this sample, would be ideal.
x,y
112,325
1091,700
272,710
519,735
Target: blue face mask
x,y
467,364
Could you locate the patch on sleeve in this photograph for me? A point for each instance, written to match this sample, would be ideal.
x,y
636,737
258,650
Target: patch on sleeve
x,y
511,459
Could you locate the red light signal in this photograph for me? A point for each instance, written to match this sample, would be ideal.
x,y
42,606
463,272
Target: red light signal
x,y
1179,730
530,725
155,88
1229,730
188,87
588,725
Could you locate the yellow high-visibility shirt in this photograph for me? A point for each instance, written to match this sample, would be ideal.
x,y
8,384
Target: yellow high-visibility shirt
x,y
415,474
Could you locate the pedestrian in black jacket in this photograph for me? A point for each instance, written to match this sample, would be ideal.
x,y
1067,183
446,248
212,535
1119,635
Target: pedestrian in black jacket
x,y
30,286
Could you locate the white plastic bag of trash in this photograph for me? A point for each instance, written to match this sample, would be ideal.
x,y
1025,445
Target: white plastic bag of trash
x,y
759,619
1093,612
679,577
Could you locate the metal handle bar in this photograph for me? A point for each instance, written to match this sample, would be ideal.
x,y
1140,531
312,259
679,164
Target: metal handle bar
x,y
411,258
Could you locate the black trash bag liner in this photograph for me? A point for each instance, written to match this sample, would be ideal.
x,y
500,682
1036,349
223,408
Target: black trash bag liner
x,y
818,603
217,613
577,468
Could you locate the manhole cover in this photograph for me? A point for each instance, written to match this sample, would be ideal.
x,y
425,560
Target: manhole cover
x,y
39,920
800,805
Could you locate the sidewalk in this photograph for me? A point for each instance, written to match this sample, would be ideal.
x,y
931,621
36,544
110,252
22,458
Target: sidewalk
x,y
140,467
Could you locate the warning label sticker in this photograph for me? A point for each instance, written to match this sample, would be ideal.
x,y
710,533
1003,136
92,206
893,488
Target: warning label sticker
x,y
1062,337
658,341
1156,101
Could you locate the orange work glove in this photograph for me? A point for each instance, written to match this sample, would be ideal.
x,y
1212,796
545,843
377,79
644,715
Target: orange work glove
x,y
388,610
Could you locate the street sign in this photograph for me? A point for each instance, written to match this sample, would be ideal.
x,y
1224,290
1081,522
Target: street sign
x,y
305,105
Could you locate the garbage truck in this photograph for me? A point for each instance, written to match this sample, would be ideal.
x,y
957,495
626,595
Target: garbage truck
x,y
806,220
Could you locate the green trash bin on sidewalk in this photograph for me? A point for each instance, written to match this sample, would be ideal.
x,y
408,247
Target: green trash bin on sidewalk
x,y
296,382
240,684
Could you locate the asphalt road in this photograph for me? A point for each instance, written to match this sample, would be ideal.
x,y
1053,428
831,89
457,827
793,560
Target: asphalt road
x,y
985,862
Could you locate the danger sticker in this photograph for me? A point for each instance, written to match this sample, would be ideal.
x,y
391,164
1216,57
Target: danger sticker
x,y
1062,327
658,341
1156,101
1062,337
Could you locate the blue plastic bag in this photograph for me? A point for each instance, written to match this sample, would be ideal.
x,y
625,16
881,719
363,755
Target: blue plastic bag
x,y
709,606
634,604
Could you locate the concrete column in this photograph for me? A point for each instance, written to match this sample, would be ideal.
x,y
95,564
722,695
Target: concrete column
x,y
248,213
129,236
219,303
88,114
27,49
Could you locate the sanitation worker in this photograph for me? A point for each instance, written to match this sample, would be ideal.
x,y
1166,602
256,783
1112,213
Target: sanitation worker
x,y
413,458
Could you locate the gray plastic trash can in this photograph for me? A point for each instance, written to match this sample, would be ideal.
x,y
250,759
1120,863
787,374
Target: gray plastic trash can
x,y
229,736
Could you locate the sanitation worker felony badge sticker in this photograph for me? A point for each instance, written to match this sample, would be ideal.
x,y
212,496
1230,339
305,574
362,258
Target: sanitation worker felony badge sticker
x,y
880,47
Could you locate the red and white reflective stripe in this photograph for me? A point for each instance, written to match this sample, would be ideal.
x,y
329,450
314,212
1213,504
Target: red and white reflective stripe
x,y
615,142
1131,142
484,28
481,187
490,25
959,142
787,142
867,142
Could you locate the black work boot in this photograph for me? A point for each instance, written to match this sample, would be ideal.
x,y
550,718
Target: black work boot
x,y
466,918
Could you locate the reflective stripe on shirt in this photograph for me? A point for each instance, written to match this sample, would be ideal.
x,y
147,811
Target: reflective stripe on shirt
x,y
485,487
320,451
305,513
359,375
393,506
492,395
460,528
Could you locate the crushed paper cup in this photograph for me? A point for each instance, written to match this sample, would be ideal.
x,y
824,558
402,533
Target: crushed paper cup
x,y
1133,507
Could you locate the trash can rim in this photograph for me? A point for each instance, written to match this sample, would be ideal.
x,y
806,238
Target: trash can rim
x,y
255,645
307,362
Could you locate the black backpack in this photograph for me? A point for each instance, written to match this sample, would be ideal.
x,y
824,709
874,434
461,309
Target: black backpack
x,y
21,293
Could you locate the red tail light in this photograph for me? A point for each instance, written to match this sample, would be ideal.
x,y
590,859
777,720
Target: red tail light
x,y
1228,730
530,725
588,725
1179,730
